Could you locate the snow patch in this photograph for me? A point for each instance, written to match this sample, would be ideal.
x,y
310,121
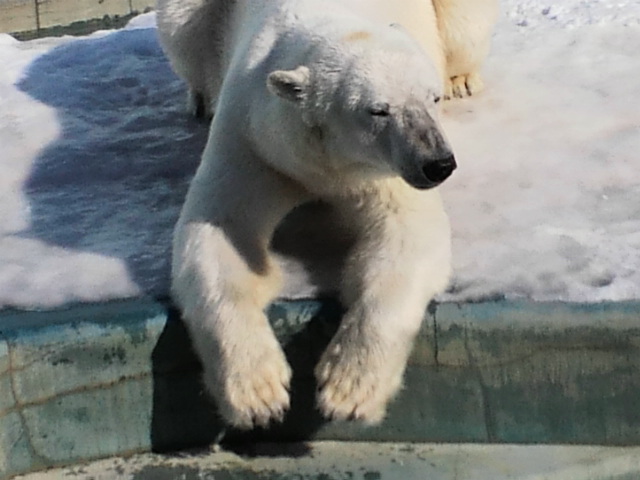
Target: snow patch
x,y
97,153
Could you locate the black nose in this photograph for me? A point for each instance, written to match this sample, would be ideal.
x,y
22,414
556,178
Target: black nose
x,y
437,171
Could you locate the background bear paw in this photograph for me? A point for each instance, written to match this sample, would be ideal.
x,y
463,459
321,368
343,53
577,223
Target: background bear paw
x,y
355,382
462,86
253,388
199,106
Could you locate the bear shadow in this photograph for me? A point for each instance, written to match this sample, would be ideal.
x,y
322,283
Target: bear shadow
x,y
113,183
114,180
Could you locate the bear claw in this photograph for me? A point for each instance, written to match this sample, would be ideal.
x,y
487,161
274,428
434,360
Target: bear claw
x,y
462,86
355,384
254,388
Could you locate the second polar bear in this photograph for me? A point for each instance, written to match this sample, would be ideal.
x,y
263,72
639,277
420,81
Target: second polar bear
x,y
313,101
455,34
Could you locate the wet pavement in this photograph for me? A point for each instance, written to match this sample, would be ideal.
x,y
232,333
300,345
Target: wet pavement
x,y
367,461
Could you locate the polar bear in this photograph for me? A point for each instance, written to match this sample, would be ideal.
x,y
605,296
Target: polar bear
x,y
313,102
455,34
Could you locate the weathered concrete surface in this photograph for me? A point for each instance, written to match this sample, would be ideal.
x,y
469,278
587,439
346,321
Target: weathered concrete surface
x,y
369,461
23,15
102,380
549,373
17,15
75,384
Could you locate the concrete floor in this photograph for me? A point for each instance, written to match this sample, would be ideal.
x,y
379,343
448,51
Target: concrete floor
x,y
368,461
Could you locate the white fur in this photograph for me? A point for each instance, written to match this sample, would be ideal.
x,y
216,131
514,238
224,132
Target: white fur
x,y
465,28
313,101
455,34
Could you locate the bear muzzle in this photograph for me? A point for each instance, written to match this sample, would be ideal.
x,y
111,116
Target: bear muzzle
x,y
431,173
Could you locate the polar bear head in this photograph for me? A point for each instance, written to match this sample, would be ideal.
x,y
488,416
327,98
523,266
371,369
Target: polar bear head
x,y
369,108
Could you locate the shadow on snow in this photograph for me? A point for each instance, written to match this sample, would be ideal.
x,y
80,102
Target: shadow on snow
x,y
113,184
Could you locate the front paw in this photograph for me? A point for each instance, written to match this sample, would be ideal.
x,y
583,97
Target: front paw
x,y
250,384
357,378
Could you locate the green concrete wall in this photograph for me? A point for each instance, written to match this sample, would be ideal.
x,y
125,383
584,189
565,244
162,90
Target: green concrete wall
x,y
98,380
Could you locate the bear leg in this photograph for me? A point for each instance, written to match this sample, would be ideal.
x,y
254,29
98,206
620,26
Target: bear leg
x,y
223,277
400,261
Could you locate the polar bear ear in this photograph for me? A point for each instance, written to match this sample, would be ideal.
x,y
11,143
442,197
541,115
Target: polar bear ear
x,y
289,84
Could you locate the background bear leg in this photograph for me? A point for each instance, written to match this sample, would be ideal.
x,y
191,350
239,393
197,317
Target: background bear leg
x,y
465,29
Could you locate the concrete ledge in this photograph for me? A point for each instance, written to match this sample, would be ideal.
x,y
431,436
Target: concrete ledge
x,y
368,461
100,380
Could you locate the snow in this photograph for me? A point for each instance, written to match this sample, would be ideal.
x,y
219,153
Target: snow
x,y
96,153
571,13
546,203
